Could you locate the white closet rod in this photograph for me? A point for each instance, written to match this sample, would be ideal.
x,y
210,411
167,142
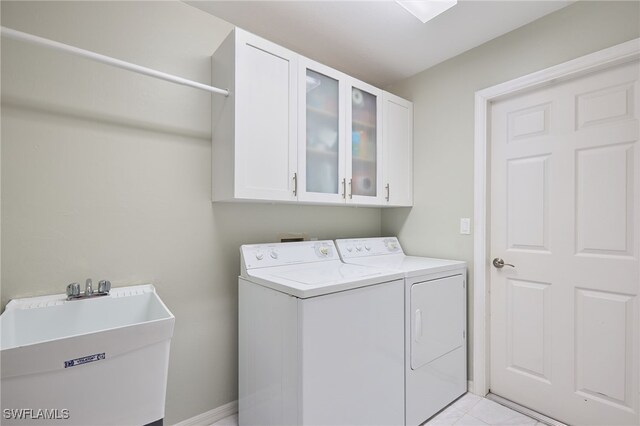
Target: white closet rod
x,y
40,41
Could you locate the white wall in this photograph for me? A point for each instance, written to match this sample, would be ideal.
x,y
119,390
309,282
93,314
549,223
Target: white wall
x,y
106,174
443,99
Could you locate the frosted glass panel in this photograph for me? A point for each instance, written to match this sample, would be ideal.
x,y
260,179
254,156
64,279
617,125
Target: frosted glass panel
x,y
363,143
322,133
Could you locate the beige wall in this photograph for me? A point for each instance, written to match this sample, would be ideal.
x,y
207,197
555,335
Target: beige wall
x,y
443,99
106,174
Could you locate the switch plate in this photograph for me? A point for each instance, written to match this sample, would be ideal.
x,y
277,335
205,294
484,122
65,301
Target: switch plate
x,y
465,226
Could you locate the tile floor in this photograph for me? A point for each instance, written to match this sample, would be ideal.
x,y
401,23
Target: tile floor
x,y
468,410
473,410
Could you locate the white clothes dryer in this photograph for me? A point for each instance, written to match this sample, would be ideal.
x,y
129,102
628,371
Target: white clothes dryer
x,y
321,342
435,322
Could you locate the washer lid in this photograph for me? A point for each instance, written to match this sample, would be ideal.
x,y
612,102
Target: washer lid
x,y
315,279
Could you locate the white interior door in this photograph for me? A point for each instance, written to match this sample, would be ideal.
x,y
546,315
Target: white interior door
x,y
565,191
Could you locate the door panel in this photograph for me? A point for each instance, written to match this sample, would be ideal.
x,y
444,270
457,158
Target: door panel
x,y
437,319
321,133
604,343
364,150
604,192
363,143
352,357
527,202
266,87
528,328
397,143
565,211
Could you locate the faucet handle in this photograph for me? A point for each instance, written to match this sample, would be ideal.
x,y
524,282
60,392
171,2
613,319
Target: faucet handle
x,y
73,290
104,286
88,289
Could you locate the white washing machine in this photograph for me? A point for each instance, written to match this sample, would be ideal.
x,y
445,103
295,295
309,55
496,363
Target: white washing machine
x,y
435,323
320,342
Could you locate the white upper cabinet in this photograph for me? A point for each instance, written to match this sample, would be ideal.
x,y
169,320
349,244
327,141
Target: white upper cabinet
x,y
364,151
339,137
254,128
321,133
397,129
294,130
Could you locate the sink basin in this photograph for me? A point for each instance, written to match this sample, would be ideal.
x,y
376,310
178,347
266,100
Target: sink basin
x,y
94,361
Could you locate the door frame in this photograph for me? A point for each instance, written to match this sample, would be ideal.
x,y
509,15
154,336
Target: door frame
x,y
606,58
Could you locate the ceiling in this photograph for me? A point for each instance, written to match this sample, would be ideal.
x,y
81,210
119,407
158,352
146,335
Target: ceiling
x,y
377,41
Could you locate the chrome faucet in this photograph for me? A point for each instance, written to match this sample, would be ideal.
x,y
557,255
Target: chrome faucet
x,y
104,286
73,289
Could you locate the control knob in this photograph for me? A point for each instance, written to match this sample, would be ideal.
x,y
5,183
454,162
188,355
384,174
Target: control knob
x,y
273,254
259,255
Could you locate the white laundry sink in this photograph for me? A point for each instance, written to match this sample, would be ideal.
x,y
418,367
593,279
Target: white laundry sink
x,y
94,361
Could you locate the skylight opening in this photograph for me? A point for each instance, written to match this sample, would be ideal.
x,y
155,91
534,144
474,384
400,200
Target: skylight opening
x,y
426,10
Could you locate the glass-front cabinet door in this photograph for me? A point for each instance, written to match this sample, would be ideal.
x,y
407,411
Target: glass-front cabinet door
x,y
364,153
321,133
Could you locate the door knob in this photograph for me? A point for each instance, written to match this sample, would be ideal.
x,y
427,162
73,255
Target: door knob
x,y
499,263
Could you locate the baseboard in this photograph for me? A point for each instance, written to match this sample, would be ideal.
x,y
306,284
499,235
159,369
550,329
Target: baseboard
x,y
211,416
524,410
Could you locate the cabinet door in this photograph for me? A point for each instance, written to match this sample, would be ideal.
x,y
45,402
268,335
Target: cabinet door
x,y
364,147
397,142
265,120
321,123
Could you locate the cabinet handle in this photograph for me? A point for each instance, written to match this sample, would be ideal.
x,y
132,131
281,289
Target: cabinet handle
x,y
344,188
350,191
295,184
388,192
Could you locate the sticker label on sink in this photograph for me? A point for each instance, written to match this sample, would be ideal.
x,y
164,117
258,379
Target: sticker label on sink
x,y
84,360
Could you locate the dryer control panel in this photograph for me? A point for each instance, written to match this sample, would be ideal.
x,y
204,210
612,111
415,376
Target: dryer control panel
x,y
362,247
278,254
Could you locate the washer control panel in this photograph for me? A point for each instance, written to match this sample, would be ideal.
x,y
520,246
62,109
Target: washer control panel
x,y
362,247
277,254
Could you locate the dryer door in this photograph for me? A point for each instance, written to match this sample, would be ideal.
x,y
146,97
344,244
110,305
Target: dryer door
x,y
437,319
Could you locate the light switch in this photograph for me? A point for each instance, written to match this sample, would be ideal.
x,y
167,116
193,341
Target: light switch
x,y
465,226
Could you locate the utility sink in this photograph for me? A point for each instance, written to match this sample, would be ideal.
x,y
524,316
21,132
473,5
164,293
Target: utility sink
x,y
94,361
